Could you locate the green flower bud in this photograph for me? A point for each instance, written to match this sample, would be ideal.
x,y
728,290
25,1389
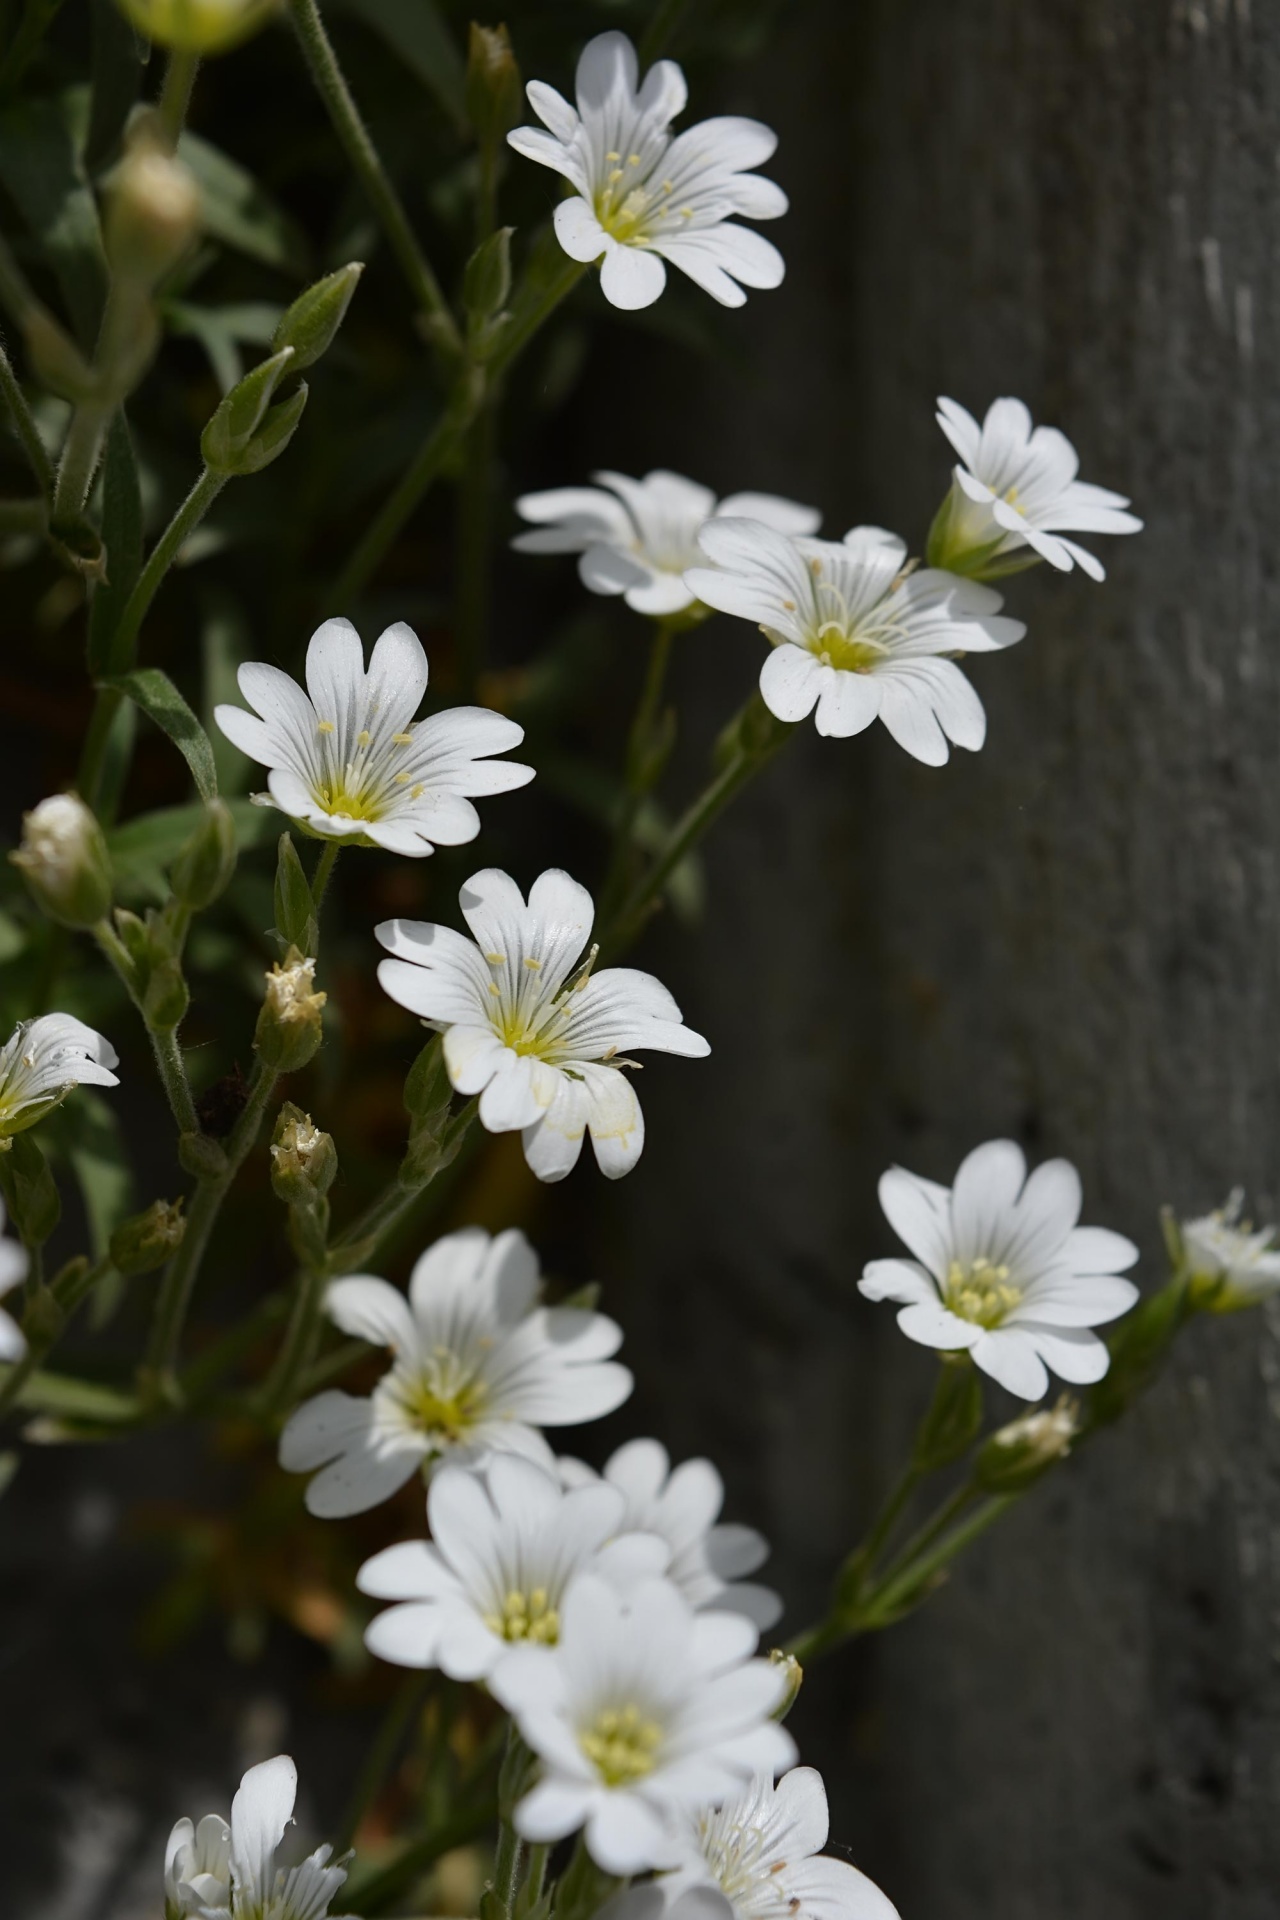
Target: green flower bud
x,y
153,214
198,26
964,540
494,97
55,359
207,861
953,1419
304,1159
166,997
64,861
794,1673
1018,1454
226,439
275,433
289,1027
146,1241
312,321
201,1155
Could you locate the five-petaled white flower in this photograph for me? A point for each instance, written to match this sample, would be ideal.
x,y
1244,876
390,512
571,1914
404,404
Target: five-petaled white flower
x,y
351,763
639,537
526,1023
504,1545
13,1271
855,633
683,1507
1235,1263
220,1872
479,1368
642,195
1018,489
1005,1271
41,1061
643,1709
762,1853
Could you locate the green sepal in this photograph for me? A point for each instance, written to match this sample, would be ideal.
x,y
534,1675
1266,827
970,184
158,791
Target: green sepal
x,y
296,921
954,1417
311,323
229,433
30,1191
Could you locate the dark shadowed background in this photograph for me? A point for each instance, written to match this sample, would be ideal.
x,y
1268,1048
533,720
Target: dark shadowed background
x,y
1070,938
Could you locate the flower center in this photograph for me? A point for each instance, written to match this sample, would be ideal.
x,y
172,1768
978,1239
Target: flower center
x,y
981,1291
734,1854
441,1397
846,652
526,1616
848,641
621,1745
364,787
525,1016
628,207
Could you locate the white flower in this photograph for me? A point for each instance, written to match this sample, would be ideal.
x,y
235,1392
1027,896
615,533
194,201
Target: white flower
x,y
13,1271
1021,483
639,537
855,633
479,1367
42,1060
643,196
539,1037
352,763
504,1545
1006,1271
644,1708
682,1508
216,1872
762,1851
1242,1263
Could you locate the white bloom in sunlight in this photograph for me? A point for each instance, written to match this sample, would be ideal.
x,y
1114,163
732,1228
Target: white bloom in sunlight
x,y
13,1271
639,537
642,195
1243,1261
220,1872
1005,1271
479,1368
42,1060
855,633
762,1851
1021,482
526,1023
683,1507
350,762
644,1709
504,1545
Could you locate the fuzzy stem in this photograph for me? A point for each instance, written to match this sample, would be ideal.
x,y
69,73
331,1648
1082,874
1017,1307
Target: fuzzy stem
x,y
175,94
164,1041
24,425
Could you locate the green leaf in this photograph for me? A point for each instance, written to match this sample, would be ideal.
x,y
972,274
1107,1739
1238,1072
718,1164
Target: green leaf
x,y
155,695
295,909
118,60
122,535
417,32
40,166
237,211
143,849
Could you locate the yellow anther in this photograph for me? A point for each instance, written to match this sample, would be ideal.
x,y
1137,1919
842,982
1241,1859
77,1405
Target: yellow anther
x,y
611,155
402,779
364,737
633,159
615,175
815,567
495,959
790,605
668,186
534,966
621,1745
686,213
402,739
325,726
495,990
416,793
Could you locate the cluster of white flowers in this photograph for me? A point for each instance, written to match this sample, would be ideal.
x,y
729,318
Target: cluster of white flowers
x,y
217,1871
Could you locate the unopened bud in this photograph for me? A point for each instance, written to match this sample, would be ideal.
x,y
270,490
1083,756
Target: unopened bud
x,y
226,440
954,1417
275,433
304,1159
55,359
793,1674
198,26
312,321
1228,1261
146,1241
493,94
289,1028
166,996
1028,1447
154,213
63,859
965,538
207,860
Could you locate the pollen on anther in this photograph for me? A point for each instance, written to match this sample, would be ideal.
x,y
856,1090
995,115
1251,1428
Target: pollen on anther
x,y
416,793
325,726
495,959
401,739
534,966
633,159
495,990
402,779
790,605
364,736
668,186
615,175
613,156
815,567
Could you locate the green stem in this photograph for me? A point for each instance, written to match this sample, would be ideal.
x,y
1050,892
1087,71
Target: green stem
x,y
64,1296
164,1042
183,1270
434,454
25,426
474,516
324,873
350,128
882,1603
535,1877
175,94
506,1866
297,1348
405,1703
639,772
527,318
79,461
396,1199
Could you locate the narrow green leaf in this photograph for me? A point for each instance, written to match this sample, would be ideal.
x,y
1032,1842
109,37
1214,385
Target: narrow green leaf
x,y
118,60
143,849
418,33
122,536
40,167
237,211
155,695
295,908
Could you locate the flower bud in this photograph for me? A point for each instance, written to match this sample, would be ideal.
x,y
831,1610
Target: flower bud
x,y
1229,1263
64,861
166,997
275,433
312,321
206,862
794,1675
493,95
965,539
296,921
289,1028
1019,1453
198,26
55,359
304,1159
154,212
147,1239
226,440
201,1155
954,1417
